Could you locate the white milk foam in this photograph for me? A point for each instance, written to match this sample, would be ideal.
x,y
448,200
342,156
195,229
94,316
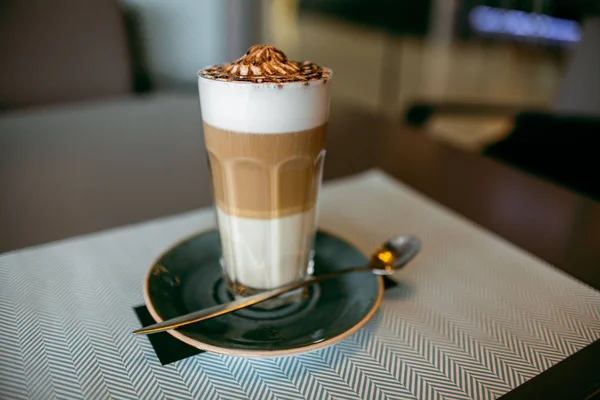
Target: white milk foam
x,y
265,253
264,107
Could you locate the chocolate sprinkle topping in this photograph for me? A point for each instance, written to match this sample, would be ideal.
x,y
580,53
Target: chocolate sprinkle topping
x,y
265,64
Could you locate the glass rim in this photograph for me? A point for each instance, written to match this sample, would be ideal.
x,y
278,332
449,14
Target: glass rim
x,y
305,83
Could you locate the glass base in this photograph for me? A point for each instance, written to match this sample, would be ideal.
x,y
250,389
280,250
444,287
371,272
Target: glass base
x,y
238,290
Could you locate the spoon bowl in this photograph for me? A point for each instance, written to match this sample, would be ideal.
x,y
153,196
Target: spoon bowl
x,y
394,254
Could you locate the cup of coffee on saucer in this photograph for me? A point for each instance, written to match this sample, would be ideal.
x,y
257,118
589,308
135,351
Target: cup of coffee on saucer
x,y
264,122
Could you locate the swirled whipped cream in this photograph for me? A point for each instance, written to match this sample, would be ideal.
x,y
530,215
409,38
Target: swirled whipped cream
x,y
266,64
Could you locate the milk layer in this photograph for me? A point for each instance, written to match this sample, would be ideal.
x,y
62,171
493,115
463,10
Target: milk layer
x,y
266,253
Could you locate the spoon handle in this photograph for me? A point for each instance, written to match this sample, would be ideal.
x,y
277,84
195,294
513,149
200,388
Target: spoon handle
x,y
238,304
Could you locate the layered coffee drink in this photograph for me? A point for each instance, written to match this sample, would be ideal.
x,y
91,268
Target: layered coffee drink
x,y
265,119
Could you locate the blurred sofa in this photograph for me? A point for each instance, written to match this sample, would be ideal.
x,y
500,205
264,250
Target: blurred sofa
x,y
62,51
88,91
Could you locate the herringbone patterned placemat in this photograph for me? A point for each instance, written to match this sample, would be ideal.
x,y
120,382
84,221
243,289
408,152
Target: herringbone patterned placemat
x,y
472,317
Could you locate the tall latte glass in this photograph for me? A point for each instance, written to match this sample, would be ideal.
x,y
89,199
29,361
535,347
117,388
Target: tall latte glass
x,y
264,120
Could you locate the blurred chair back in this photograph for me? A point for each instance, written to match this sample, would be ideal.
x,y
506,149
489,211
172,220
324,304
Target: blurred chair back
x,y
562,146
558,148
580,89
61,51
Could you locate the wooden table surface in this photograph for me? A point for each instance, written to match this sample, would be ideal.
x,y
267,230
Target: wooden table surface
x,y
551,222
66,184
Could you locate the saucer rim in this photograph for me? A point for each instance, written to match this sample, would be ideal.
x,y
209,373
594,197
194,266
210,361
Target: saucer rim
x,y
258,353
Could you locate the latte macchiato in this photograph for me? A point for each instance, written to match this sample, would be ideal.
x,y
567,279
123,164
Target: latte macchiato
x,y
265,119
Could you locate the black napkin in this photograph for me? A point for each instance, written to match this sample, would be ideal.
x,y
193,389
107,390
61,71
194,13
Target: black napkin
x,y
168,349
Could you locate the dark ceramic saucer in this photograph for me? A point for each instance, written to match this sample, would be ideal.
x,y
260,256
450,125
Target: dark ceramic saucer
x,y
187,277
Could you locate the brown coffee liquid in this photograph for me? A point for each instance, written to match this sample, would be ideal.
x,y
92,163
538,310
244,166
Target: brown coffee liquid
x,y
265,176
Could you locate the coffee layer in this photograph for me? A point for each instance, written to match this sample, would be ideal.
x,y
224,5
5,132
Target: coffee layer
x,y
265,176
